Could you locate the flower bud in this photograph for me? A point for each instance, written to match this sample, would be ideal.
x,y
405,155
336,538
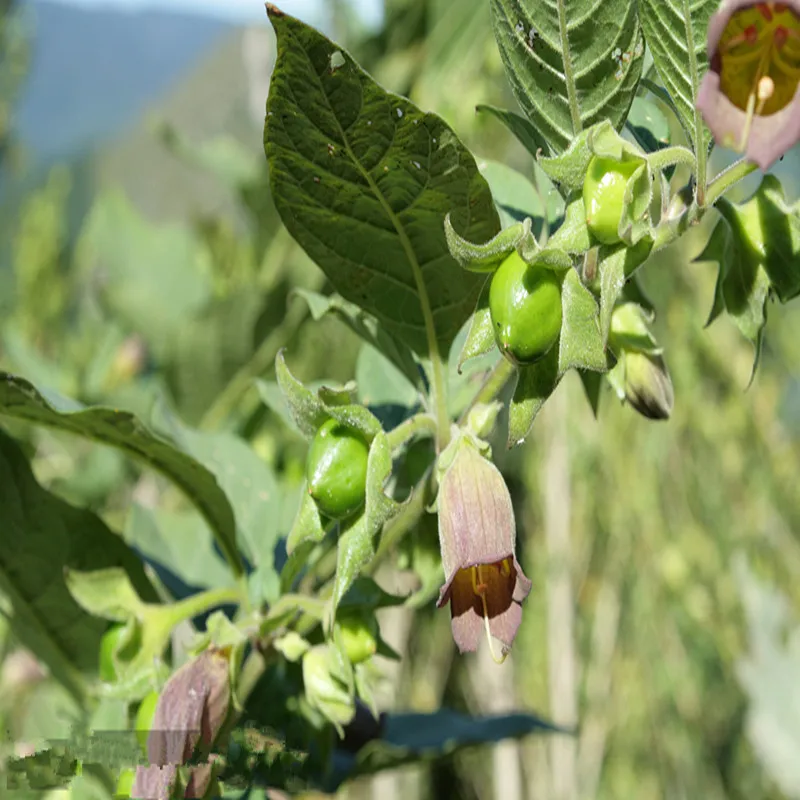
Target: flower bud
x,y
484,583
640,377
648,386
193,707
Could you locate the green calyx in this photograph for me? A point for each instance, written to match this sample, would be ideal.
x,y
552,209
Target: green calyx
x,y
144,719
336,470
604,194
525,306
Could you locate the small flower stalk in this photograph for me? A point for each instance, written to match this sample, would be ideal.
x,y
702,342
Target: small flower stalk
x,y
749,97
484,583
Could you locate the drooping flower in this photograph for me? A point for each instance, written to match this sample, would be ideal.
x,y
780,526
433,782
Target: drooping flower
x,y
484,583
750,98
192,708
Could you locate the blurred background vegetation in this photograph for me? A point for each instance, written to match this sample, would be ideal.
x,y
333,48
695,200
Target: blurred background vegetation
x,y
142,262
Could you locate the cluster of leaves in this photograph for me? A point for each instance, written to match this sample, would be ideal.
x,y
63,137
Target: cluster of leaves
x,y
394,210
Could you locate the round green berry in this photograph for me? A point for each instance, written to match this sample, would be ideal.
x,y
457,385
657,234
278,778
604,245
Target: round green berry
x,y
603,194
525,305
336,470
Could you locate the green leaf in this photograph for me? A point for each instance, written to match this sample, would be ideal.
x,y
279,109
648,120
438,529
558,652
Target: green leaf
x,y
573,234
247,481
380,382
769,230
648,125
534,385
742,284
562,61
123,430
179,541
526,133
308,524
365,594
365,326
676,32
358,540
592,383
581,344
363,180
43,535
480,336
488,256
517,198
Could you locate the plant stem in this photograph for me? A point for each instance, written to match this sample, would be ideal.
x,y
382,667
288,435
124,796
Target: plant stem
x,y
671,155
494,384
407,430
727,178
202,602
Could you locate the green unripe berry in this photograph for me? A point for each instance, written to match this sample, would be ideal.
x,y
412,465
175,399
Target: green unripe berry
x,y
336,470
525,304
359,635
603,194
144,718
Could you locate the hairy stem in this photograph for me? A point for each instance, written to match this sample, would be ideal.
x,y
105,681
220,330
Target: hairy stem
x,y
418,425
727,178
204,601
671,155
495,382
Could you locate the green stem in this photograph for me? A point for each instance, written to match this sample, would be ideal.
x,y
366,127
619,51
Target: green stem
x,y
494,384
701,152
200,603
671,155
727,178
399,526
410,428
258,364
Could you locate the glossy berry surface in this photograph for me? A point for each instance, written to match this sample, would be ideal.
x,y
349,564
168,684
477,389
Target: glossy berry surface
x,y
336,470
525,305
603,195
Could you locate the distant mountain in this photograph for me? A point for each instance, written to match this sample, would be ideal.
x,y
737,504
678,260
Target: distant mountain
x,y
94,71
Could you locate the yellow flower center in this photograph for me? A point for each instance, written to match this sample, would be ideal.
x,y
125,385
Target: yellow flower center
x,y
759,60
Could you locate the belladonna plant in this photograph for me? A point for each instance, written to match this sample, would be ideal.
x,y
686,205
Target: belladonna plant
x,y
484,583
749,97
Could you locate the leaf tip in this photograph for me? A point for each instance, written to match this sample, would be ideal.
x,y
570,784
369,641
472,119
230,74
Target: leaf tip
x,y
273,11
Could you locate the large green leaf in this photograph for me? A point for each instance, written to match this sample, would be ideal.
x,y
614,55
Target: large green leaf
x,y
120,429
676,36
363,180
570,64
41,536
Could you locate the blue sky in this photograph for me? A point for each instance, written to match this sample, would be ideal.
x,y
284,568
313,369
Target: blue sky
x,y
240,10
